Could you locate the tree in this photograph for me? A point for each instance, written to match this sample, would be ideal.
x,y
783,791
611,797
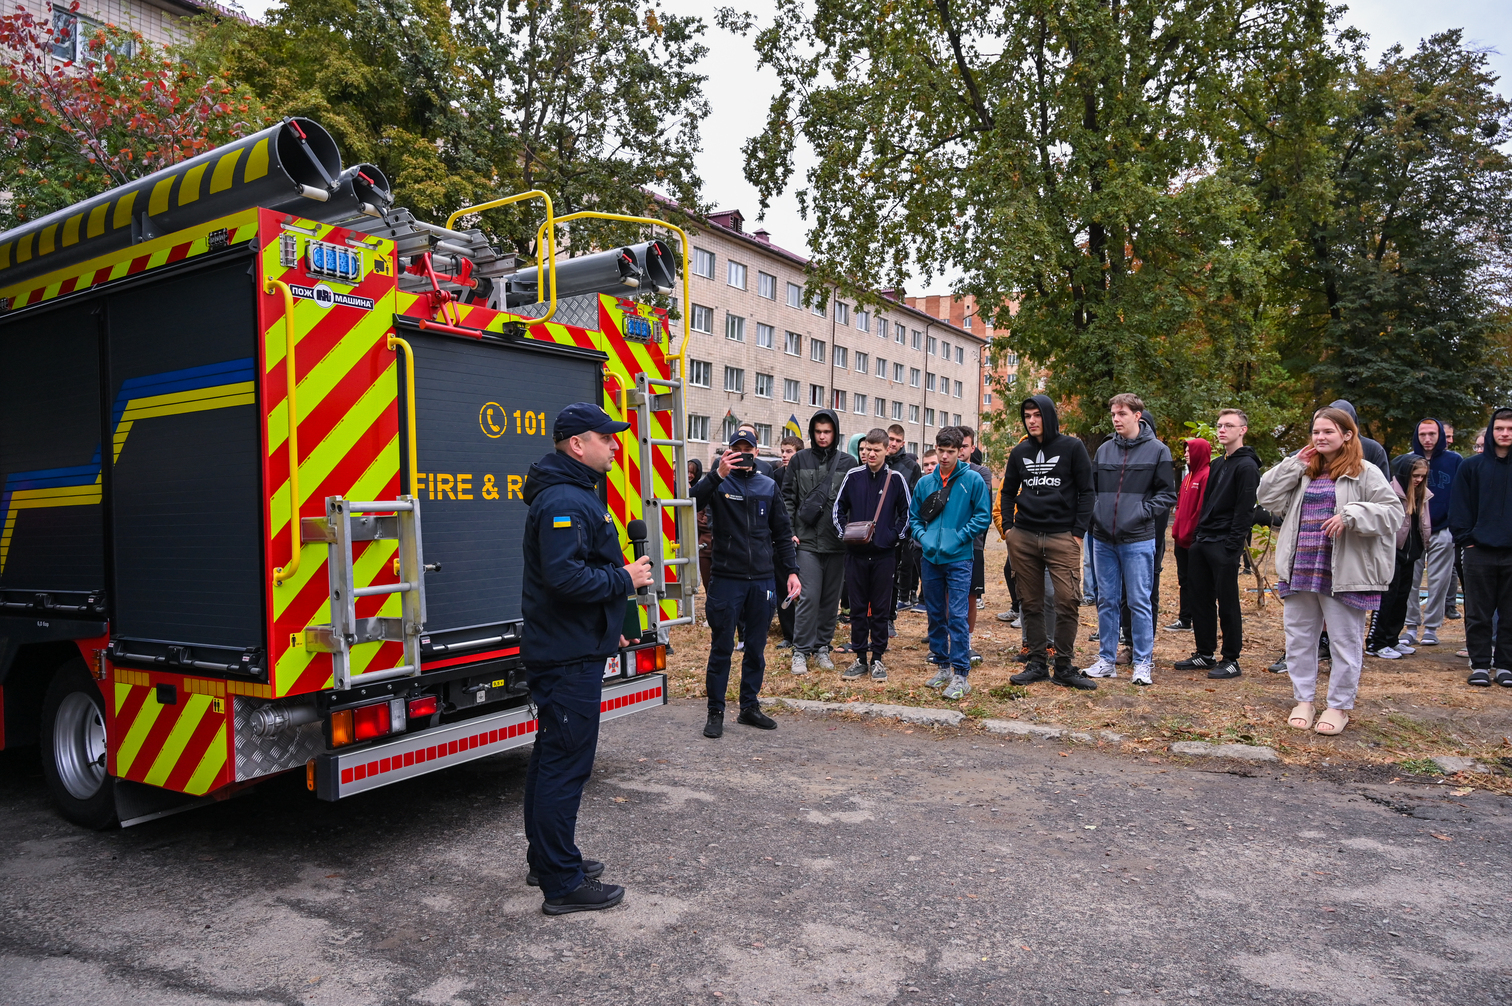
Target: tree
x,y
1072,155
1398,288
120,110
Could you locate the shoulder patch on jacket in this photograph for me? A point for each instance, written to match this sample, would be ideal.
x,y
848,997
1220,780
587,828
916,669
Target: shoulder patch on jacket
x,y
561,522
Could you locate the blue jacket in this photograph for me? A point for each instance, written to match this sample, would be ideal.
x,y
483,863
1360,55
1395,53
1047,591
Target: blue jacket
x,y
753,538
575,578
1442,466
857,501
951,537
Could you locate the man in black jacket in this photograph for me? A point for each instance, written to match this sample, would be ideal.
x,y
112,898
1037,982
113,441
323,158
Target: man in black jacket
x,y
1046,505
753,549
872,492
808,491
1223,524
1480,515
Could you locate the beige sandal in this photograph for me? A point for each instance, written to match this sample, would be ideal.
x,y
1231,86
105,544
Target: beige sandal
x,y
1333,721
1301,717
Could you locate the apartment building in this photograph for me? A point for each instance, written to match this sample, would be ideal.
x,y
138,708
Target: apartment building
x,y
160,22
961,311
760,355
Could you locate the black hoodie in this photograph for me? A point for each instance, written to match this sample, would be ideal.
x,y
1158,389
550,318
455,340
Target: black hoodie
x,y
1228,503
805,474
1047,487
906,465
1481,511
1374,452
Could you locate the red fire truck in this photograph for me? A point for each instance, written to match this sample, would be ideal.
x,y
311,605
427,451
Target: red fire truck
x,y
263,439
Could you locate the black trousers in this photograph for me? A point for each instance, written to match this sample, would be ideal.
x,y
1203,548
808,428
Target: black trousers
x,y
1391,619
567,702
1184,584
1213,570
1488,607
746,604
870,582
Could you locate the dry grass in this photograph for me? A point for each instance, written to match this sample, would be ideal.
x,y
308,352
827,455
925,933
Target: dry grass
x,y
1407,710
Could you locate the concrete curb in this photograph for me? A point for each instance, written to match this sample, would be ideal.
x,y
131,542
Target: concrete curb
x,y
908,714
1453,764
1048,731
1247,752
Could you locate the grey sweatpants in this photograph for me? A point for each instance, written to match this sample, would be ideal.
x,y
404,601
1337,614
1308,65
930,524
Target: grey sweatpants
x,y
1306,615
1439,559
823,578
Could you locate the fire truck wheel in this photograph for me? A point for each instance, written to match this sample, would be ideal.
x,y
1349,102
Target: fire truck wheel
x,y
73,748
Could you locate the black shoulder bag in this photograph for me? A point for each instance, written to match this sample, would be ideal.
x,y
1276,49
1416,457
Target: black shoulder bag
x,y
934,504
816,502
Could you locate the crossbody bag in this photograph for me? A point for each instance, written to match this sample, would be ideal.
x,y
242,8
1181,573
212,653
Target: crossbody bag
x,y
859,532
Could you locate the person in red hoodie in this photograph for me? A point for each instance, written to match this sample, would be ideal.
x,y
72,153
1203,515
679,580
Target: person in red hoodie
x,y
1184,530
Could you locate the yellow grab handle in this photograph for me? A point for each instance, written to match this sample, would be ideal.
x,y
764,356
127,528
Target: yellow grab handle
x,y
282,574
493,204
409,405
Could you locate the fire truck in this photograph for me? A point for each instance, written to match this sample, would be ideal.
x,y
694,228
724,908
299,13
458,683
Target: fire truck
x,y
263,442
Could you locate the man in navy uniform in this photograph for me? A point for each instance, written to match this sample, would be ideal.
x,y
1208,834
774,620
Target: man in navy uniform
x,y
576,585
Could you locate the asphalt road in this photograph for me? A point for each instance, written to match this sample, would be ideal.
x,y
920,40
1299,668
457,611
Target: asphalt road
x,y
828,862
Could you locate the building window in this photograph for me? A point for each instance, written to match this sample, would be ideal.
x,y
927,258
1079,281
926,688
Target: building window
x,y
793,345
795,295
913,377
968,323
863,363
881,368
960,355
839,401
945,350
698,428
929,383
764,335
703,319
957,420
842,358
790,389
898,373
929,417
728,428
764,385
734,328
898,332
958,389
913,448
929,346
763,434
860,402
818,309
703,263
69,28
842,313
881,327
700,373
735,380
766,285
1011,359
816,350
881,410
986,398
737,275
913,414
863,320
1010,380
897,412
816,395
917,340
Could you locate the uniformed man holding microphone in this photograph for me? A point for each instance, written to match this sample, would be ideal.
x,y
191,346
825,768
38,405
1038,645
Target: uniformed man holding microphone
x,y
575,590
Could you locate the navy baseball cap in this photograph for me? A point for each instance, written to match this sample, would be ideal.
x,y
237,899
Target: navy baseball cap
x,y
579,418
742,438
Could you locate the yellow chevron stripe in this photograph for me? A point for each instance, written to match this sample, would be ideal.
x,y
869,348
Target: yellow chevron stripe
x,y
71,229
325,375
189,191
122,693
195,708
225,171
136,735
210,765
32,499
123,210
257,162
97,220
158,201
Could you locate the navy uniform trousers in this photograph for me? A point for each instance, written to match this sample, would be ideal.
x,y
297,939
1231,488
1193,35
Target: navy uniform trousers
x,y
732,604
567,708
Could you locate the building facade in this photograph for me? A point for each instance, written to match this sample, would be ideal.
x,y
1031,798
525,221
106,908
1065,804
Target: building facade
x,y
961,311
760,355
160,22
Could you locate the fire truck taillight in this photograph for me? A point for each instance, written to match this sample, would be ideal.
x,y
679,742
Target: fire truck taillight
x,y
371,721
423,706
341,728
651,659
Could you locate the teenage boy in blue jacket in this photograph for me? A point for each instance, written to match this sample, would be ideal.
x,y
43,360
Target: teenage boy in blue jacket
x,y
947,542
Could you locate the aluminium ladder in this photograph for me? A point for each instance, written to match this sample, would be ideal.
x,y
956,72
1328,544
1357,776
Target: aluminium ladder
x,y
658,395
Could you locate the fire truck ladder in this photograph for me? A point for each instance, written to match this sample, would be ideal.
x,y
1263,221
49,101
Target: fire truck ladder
x,y
655,395
347,522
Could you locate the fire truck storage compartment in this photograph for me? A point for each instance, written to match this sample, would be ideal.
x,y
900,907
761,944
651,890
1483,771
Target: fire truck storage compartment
x,y
472,397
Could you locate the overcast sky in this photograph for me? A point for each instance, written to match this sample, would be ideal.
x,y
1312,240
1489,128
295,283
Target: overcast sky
x,y
739,94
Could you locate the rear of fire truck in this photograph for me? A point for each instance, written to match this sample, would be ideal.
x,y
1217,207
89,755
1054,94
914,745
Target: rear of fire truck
x,y
263,440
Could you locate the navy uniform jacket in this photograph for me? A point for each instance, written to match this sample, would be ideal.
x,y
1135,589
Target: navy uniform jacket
x,y
576,582
753,537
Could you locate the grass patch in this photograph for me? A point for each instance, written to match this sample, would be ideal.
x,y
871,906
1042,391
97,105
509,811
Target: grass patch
x,y
1420,766
1009,693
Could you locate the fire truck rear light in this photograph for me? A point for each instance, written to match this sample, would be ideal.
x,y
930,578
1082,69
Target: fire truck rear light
x,y
341,728
423,706
371,721
652,659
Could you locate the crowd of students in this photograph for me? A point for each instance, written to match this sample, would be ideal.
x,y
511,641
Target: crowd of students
x,y
1354,534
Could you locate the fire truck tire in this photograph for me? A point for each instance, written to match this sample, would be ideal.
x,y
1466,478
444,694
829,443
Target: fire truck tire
x,y
74,748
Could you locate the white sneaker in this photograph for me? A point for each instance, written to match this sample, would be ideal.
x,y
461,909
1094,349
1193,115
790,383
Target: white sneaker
x,y
878,672
1142,674
1404,646
800,664
1101,669
958,688
823,662
1385,653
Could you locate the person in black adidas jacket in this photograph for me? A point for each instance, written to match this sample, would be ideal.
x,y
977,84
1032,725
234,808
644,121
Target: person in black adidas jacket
x,y
872,491
753,549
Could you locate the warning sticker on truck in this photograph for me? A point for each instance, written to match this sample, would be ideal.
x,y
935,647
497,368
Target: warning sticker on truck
x,y
325,297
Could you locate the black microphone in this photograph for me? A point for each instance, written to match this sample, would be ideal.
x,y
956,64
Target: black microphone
x,y
636,530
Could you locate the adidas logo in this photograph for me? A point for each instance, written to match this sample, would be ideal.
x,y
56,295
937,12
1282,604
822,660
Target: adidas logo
x,y
1039,466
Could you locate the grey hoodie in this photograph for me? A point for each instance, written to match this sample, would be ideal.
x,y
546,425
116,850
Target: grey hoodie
x,y
1135,487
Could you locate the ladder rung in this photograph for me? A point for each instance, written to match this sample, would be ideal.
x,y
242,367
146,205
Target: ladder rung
x,y
379,506
677,562
666,443
383,588
402,671
674,621
665,382
675,502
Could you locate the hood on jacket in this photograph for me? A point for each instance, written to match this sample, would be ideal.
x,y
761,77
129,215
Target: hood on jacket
x,y
1047,412
824,452
1343,405
1417,445
1199,455
558,469
1488,443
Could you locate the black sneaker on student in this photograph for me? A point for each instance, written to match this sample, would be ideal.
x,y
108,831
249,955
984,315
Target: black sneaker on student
x,y
1070,677
591,896
1180,625
1029,675
591,868
1196,662
714,728
1227,669
754,717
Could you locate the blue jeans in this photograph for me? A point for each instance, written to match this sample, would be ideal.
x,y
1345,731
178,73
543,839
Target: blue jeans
x,y
948,586
1131,565
1089,574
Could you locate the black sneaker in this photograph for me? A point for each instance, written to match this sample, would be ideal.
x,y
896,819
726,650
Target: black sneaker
x,y
591,896
1452,614
1031,674
754,717
1227,669
591,868
1180,625
714,728
1071,678
1279,667
1196,662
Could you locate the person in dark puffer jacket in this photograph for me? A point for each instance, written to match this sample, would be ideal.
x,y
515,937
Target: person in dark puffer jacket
x,y
1481,519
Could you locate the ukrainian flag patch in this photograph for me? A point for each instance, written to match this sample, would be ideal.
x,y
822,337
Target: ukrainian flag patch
x,y
561,522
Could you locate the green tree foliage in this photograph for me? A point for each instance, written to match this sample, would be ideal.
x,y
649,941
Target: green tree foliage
x,y
1396,284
